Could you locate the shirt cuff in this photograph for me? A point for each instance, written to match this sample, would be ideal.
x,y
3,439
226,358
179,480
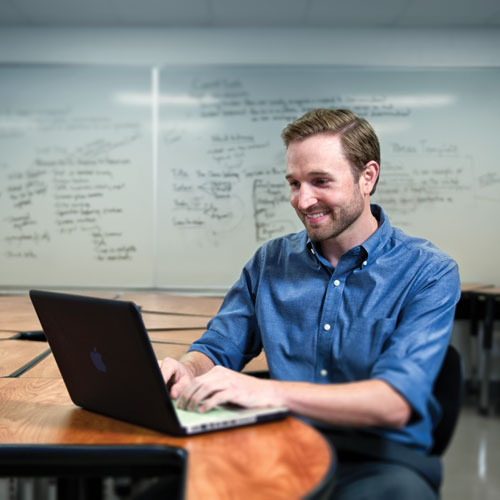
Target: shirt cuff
x,y
412,383
221,350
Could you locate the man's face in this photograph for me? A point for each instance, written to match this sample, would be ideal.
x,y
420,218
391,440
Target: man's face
x,y
323,191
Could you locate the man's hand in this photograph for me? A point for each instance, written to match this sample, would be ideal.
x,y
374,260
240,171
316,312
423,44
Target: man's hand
x,y
177,375
221,385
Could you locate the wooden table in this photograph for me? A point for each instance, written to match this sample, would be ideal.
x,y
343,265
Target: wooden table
x,y
17,313
176,336
285,459
176,304
158,321
17,354
470,287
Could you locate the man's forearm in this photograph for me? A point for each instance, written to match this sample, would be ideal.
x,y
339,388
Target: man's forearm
x,y
355,404
365,403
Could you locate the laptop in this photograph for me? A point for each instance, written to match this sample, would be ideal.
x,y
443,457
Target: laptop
x,y
106,360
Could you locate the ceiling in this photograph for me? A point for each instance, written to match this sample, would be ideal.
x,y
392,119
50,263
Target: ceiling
x,y
251,13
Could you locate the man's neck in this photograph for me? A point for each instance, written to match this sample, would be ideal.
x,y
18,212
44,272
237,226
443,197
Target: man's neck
x,y
333,248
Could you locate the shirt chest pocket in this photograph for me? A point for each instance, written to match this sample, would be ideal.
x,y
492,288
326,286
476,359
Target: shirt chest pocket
x,y
361,344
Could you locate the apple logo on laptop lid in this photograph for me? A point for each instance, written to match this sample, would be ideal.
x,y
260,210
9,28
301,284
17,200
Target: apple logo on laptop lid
x,y
96,358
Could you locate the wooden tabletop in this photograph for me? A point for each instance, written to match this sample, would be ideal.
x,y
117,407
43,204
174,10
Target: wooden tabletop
x,y
17,313
177,304
176,336
14,354
285,459
491,290
158,321
472,287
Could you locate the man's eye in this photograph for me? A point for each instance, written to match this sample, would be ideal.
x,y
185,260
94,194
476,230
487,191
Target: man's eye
x,y
294,184
321,182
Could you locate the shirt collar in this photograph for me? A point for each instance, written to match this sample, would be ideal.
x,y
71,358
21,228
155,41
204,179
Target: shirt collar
x,y
374,244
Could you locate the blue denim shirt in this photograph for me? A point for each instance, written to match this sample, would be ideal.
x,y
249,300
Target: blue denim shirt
x,y
385,312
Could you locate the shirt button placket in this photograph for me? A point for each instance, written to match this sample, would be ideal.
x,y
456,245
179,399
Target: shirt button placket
x,y
326,341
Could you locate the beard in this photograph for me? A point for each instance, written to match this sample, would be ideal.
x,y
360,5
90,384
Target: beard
x,y
339,219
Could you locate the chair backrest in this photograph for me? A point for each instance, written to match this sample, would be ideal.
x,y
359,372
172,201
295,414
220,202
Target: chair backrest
x,y
449,391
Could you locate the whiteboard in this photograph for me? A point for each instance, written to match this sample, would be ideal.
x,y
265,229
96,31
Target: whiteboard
x,y
133,177
221,160
76,179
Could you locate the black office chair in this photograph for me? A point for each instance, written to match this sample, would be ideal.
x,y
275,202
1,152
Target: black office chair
x,y
449,391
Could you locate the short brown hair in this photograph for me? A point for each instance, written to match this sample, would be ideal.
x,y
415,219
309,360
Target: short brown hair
x,y
358,139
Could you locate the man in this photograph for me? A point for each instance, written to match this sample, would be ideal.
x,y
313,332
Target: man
x,y
354,317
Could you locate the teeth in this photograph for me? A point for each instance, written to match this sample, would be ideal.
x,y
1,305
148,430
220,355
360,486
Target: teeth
x,y
315,216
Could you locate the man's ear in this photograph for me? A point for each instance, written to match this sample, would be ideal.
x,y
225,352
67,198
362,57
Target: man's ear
x,y
369,177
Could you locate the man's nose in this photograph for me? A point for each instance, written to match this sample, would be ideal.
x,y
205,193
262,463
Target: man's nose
x,y
307,198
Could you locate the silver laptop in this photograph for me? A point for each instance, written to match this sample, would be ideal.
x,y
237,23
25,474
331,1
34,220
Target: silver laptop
x,y
107,362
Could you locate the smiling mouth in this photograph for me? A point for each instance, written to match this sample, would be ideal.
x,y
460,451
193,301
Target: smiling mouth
x,y
316,216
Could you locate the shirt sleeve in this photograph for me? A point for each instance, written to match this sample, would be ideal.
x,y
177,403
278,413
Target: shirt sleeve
x,y
232,337
414,352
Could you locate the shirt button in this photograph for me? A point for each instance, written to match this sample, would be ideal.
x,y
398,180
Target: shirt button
x,y
323,373
365,263
336,282
326,327
312,251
